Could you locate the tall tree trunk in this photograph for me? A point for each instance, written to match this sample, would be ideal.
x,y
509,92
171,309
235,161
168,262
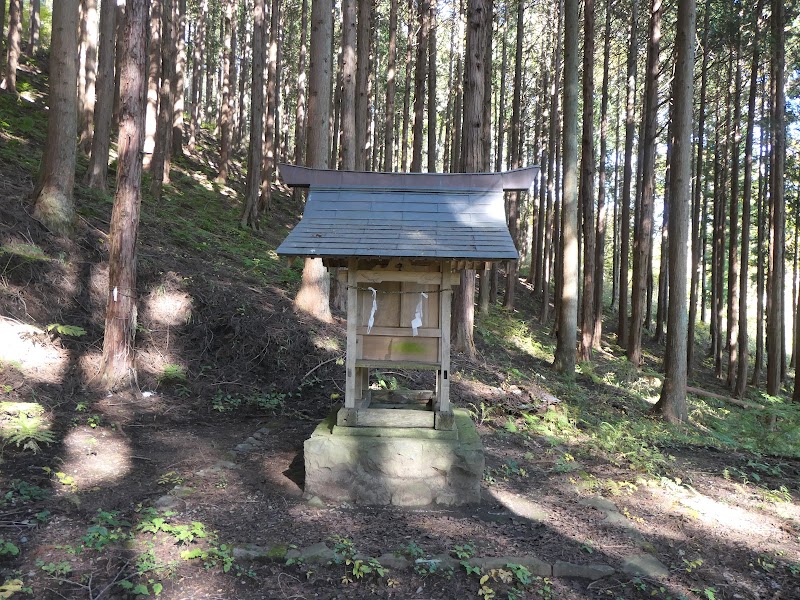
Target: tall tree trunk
x,y
225,113
407,88
53,205
268,166
179,78
162,153
35,26
313,297
643,245
98,162
255,154
13,48
663,274
600,242
348,106
300,115
552,221
197,73
501,95
758,363
568,307
117,61
244,74
478,15
514,155
458,120
775,322
698,238
118,368
153,78
420,75
88,53
741,374
672,403
733,258
362,83
432,104
391,86
627,177
718,251
586,191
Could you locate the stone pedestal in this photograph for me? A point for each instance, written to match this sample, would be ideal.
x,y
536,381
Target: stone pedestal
x,y
392,465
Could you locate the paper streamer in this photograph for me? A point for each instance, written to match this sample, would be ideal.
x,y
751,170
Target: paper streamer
x,y
417,322
374,308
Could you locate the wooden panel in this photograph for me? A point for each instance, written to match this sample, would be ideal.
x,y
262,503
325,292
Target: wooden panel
x,y
350,388
400,331
430,305
388,298
398,364
406,276
391,417
393,348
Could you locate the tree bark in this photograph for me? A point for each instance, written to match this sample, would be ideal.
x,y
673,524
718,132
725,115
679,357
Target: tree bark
x,y
364,33
348,105
153,78
273,94
552,168
255,155
118,367
420,74
391,86
300,115
733,258
118,61
516,132
88,54
407,88
568,306
643,245
98,162
758,363
197,73
627,177
432,105
162,153
478,15
13,46
775,323
672,403
225,113
600,241
53,204
179,78
697,200
35,26
586,191
313,297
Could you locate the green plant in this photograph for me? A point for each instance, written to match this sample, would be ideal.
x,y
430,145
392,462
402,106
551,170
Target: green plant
x,y
463,552
68,330
7,548
59,569
225,403
172,374
22,492
480,414
61,477
26,431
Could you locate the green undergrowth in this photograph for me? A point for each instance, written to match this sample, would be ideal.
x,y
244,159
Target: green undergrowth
x,y
605,409
23,129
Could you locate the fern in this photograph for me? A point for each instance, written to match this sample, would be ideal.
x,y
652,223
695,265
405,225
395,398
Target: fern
x,y
70,330
26,432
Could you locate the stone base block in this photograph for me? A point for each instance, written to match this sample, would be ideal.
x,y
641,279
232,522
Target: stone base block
x,y
400,466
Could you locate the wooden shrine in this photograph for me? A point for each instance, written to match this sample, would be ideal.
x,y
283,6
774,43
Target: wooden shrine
x,y
400,242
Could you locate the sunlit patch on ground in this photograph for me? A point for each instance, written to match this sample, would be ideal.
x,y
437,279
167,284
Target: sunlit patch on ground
x,y
27,349
102,454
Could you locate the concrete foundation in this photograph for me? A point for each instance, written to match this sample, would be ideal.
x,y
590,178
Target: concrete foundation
x,y
399,466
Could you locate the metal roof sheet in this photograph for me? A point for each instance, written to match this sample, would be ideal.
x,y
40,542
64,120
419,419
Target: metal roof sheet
x,y
346,220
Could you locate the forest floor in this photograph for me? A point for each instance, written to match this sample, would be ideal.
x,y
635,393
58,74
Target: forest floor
x,y
576,470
